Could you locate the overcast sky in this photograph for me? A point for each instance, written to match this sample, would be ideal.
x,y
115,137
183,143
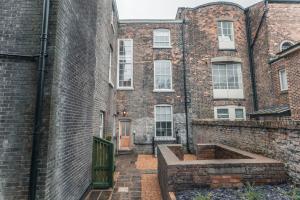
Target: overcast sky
x,y
161,9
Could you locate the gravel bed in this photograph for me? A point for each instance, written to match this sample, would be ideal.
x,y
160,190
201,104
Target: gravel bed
x,y
267,192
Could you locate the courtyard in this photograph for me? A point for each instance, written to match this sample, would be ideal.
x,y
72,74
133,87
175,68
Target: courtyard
x,y
136,178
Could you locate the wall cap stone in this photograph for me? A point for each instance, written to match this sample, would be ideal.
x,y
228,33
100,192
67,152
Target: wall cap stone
x,y
292,125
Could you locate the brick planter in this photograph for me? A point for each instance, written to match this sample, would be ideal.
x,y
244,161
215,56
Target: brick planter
x,y
234,170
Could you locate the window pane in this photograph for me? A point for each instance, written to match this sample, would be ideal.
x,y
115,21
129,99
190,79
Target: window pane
x,y
283,80
227,76
286,45
162,75
226,30
125,63
239,113
161,38
223,113
163,120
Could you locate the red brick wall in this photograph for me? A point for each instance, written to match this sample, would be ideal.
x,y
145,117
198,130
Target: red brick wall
x,y
292,97
140,102
293,75
280,97
202,45
282,23
277,140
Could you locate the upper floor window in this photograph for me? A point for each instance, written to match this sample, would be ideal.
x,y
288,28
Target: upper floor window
x,y
163,121
227,81
101,124
230,113
161,38
162,75
226,35
285,45
110,66
283,80
125,64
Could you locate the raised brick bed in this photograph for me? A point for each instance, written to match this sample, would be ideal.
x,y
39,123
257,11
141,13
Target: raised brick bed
x,y
217,166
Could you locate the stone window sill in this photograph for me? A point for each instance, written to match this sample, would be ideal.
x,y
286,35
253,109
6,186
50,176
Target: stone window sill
x,y
128,88
167,47
284,92
163,91
227,49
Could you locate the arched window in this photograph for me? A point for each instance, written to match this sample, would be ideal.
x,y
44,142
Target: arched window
x,y
285,45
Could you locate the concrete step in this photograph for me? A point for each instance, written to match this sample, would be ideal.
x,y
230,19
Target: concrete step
x,y
125,151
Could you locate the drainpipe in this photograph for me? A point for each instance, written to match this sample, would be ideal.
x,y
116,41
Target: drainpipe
x,y
185,87
38,118
250,49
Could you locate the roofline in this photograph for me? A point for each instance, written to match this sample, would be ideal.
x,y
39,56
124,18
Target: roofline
x,y
150,21
284,1
286,52
283,113
214,3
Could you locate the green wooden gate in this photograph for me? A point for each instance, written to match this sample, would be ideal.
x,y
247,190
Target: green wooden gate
x,y
103,163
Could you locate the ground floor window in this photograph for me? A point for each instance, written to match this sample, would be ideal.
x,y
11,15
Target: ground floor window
x,y
163,121
230,113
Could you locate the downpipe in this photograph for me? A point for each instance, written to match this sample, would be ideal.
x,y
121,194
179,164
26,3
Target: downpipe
x,y
38,117
185,87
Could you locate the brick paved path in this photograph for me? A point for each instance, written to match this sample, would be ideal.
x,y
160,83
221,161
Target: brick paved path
x,y
128,185
137,178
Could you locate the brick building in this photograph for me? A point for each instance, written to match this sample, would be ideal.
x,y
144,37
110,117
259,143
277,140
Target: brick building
x,y
274,26
222,51
133,80
285,73
153,97
82,45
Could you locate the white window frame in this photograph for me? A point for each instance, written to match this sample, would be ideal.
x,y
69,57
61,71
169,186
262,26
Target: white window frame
x,y
281,44
229,93
231,112
282,88
118,70
172,121
224,43
171,77
154,38
110,81
101,124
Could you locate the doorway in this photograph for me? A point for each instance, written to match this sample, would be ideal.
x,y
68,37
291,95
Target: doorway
x,y
125,135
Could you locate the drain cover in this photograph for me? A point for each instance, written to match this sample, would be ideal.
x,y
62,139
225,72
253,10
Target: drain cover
x,y
123,189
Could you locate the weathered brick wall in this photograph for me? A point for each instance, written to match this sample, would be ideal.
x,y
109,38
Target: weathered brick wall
x,y
21,29
140,102
280,97
105,93
293,72
277,140
175,175
265,97
292,96
69,158
202,45
281,23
